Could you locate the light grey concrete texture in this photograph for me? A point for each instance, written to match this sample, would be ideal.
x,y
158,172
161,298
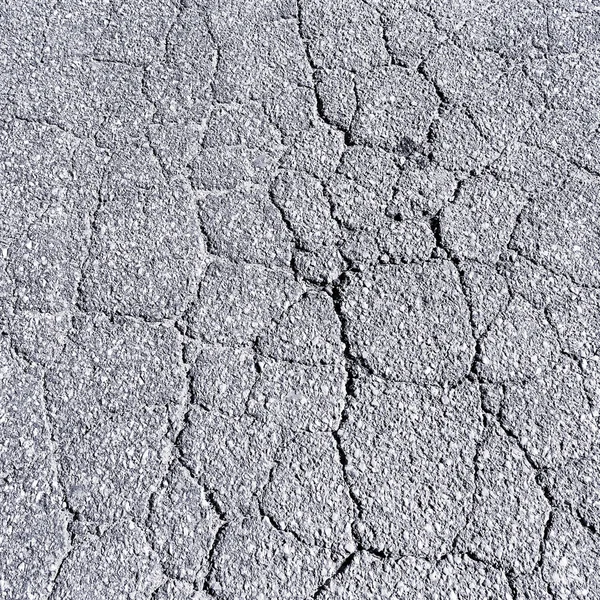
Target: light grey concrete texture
x,y
299,300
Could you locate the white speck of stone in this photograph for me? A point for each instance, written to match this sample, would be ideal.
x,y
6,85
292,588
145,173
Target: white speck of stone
x,y
563,562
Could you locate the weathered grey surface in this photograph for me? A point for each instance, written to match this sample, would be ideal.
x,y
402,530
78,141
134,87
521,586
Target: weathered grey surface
x,y
299,299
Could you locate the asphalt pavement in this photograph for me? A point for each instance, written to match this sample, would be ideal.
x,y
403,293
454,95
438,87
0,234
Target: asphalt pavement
x,y
299,300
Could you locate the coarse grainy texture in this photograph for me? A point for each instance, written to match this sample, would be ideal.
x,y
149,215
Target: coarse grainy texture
x,y
299,300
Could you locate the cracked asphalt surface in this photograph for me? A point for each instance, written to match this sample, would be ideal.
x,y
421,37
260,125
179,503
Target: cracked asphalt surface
x,y
299,299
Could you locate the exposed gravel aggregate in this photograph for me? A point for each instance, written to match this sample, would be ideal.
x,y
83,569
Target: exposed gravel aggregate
x,y
299,299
